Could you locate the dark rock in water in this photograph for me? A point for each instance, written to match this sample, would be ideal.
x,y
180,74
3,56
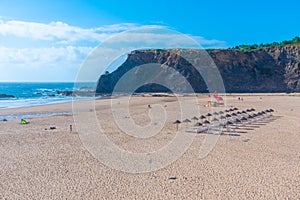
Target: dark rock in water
x,y
51,95
272,69
65,93
6,96
5,120
76,93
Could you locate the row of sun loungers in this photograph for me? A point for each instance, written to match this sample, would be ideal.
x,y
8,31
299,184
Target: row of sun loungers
x,y
232,123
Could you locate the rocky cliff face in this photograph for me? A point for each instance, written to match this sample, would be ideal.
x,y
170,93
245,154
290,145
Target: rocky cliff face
x,y
288,57
267,70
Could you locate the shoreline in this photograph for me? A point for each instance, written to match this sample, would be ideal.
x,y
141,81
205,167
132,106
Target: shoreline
x,y
30,116
145,95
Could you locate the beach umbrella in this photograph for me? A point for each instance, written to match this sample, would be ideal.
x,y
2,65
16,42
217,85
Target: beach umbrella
x,y
222,117
215,113
244,119
235,108
202,117
209,115
231,110
248,110
233,114
238,113
195,118
186,121
227,110
271,110
229,123
227,115
214,120
238,121
198,124
206,122
221,112
252,109
244,112
177,122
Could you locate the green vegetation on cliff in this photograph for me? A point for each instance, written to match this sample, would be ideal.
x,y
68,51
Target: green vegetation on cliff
x,y
256,47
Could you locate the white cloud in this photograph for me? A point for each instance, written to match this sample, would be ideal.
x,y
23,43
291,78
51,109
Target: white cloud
x,y
41,64
41,56
60,31
65,47
213,43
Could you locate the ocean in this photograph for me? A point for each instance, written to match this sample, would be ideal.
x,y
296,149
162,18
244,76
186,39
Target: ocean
x,y
33,94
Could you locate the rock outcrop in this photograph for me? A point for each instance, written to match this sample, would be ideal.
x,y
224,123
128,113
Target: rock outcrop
x,y
266,70
6,96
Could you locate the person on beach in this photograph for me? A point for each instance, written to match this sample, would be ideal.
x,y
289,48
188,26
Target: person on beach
x,y
71,128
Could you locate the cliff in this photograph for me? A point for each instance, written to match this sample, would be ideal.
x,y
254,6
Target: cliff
x,y
275,69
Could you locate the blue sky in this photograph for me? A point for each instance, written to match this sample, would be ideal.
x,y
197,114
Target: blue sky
x,y
49,40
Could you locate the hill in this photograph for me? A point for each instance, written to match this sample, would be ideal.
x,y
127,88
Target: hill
x,y
268,68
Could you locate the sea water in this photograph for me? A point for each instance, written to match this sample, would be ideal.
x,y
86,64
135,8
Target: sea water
x,y
33,94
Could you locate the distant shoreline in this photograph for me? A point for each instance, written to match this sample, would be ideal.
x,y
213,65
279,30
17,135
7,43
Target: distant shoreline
x,y
62,101
66,106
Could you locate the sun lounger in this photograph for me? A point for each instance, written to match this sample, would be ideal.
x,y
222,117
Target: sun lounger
x,y
201,129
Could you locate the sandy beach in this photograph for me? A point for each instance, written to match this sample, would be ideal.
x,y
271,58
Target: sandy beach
x,y
261,162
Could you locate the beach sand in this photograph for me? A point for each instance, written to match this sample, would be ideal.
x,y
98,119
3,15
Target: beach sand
x,y
262,163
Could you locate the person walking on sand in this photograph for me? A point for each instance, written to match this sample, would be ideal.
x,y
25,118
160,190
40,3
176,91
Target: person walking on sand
x,y
71,128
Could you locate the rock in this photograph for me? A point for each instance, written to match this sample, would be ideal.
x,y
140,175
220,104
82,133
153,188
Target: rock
x,y
65,93
6,96
75,93
268,70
